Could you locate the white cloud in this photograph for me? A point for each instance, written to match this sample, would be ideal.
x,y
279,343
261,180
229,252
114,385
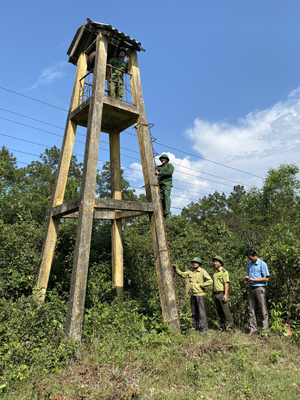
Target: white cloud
x,y
261,140
189,185
50,75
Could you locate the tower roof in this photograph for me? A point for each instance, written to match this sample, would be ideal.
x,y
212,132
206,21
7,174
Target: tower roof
x,y
86,36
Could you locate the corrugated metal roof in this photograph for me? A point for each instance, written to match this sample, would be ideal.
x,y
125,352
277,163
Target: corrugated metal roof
x,y
88,32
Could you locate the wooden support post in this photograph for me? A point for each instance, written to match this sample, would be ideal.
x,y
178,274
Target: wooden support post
x,y
87,196
162,257
60,185
116,229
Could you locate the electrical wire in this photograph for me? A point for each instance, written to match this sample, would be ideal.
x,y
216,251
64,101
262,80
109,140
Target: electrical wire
x,y
124,148
36,155
31,98
160,144
80,155
33,119
202,158
102,141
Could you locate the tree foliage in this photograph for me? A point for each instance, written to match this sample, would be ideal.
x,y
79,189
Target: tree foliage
x,y
264,219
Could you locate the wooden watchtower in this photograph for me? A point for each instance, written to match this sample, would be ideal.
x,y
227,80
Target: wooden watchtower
x,y
100,112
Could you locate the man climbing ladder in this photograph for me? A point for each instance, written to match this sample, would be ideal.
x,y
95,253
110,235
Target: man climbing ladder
x,y
164,173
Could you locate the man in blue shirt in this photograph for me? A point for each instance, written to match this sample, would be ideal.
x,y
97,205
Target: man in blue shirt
x,y
258,278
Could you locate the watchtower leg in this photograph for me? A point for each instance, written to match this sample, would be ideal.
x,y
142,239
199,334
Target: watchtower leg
x,y
116,229
162,257
60,184
87,196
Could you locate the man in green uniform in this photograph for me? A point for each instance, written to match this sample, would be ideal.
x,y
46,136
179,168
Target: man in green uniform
x,y
115,77
220,296
199,279
164,173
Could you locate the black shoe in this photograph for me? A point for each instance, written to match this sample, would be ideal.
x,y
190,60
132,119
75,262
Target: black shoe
x,y
221,330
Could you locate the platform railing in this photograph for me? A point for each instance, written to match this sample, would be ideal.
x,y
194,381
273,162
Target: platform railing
x,y
117,86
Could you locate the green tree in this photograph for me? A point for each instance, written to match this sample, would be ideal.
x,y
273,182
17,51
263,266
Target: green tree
x,y
41,174
9,174
103,188
213,205
280,193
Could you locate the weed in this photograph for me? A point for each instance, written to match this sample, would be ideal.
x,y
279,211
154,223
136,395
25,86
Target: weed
x,y
274,356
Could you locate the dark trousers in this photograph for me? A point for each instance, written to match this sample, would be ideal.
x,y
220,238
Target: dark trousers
x,y
257,295
223,311
116,89
165,195
198,309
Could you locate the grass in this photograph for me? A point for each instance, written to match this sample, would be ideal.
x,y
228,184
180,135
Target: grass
x,y
171,366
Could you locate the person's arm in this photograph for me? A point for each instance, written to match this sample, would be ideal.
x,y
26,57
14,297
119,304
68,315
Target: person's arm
x,y
166,171
207,280
181,273
264,279
226,285
225,297
247,276
108,68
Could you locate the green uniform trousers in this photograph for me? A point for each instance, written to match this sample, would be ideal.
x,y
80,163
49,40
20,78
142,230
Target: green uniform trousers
x,y
116,90
165,195
223,311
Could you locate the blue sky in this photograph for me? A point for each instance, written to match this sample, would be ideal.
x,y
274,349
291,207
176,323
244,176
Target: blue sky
x,y
220,80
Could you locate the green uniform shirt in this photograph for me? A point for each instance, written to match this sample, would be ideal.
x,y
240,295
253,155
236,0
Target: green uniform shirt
x,y
165,174
117,63
220,278
198,280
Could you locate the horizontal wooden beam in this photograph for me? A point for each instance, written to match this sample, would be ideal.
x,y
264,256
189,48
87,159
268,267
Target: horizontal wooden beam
x,y
72,215
97,215
124,205
104,214
129,214
65,208
126,209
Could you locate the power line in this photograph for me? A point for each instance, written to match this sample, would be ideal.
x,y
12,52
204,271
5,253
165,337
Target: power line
x,y
174,187
132,187
160,144
103,141
201,158
39,129
31,98
173,195
33,119
80,155
178,180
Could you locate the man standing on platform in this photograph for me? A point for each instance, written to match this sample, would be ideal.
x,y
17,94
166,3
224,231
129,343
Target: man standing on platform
x,y
258,278
199,279
220,296
115,79
164,173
